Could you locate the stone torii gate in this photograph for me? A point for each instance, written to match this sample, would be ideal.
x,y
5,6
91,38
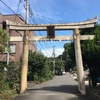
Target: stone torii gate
x,y
50,28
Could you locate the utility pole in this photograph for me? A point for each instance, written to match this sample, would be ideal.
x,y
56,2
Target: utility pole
x,y
27,10
54,59
24,67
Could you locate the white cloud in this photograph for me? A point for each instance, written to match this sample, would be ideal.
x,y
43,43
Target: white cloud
x,y
49,52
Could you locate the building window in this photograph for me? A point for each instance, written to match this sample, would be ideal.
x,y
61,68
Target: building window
x,y
13,48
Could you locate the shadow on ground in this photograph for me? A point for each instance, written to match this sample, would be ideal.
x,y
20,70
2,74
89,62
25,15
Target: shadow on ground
x,y
70,92
69,89
61,88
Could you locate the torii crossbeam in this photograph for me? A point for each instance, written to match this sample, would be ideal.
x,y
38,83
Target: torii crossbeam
x,y
43,27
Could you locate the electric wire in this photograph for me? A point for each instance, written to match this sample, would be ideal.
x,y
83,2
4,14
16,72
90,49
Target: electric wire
x,y
36,11
44,22
45,18
31,42
43,48
9,8
14,12
39,33
17,9
48,18
42,15
20,1
39,8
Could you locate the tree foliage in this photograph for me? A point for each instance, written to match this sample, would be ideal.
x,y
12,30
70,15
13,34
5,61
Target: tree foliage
x,y
38,67
59,65
69,56
9,76
90,49
3,40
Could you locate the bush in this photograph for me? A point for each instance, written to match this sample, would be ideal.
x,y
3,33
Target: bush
x,y
13,73
3,82
9,80
42,79
7,94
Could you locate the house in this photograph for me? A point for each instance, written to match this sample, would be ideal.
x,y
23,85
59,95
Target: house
x,y
16,47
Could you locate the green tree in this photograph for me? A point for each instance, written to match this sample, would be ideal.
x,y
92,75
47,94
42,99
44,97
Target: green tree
x,y
4,38
38,67
59,65
91,49
11,76
3,79
69,55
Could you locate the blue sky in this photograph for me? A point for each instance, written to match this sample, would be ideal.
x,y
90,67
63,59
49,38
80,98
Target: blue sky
x,y
54,11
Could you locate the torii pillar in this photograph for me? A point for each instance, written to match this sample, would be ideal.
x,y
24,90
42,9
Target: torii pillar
x,y
24,67
79,63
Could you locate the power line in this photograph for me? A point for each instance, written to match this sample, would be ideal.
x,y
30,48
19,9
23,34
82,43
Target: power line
x,y
20,1
34,45
39,31
33,22
43,48
9,8
17,9
44,17
41,14
39,8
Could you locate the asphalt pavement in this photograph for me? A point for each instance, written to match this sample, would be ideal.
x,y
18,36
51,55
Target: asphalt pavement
x,y
59,88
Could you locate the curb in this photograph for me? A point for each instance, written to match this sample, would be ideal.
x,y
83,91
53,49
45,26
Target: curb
x,y
94,94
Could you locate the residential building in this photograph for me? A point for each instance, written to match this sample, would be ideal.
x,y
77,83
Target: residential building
x,y
16,47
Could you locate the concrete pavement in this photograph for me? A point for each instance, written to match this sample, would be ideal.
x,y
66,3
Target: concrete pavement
x,y
60,88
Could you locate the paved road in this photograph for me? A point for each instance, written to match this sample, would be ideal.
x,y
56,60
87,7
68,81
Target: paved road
x,y
60,88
